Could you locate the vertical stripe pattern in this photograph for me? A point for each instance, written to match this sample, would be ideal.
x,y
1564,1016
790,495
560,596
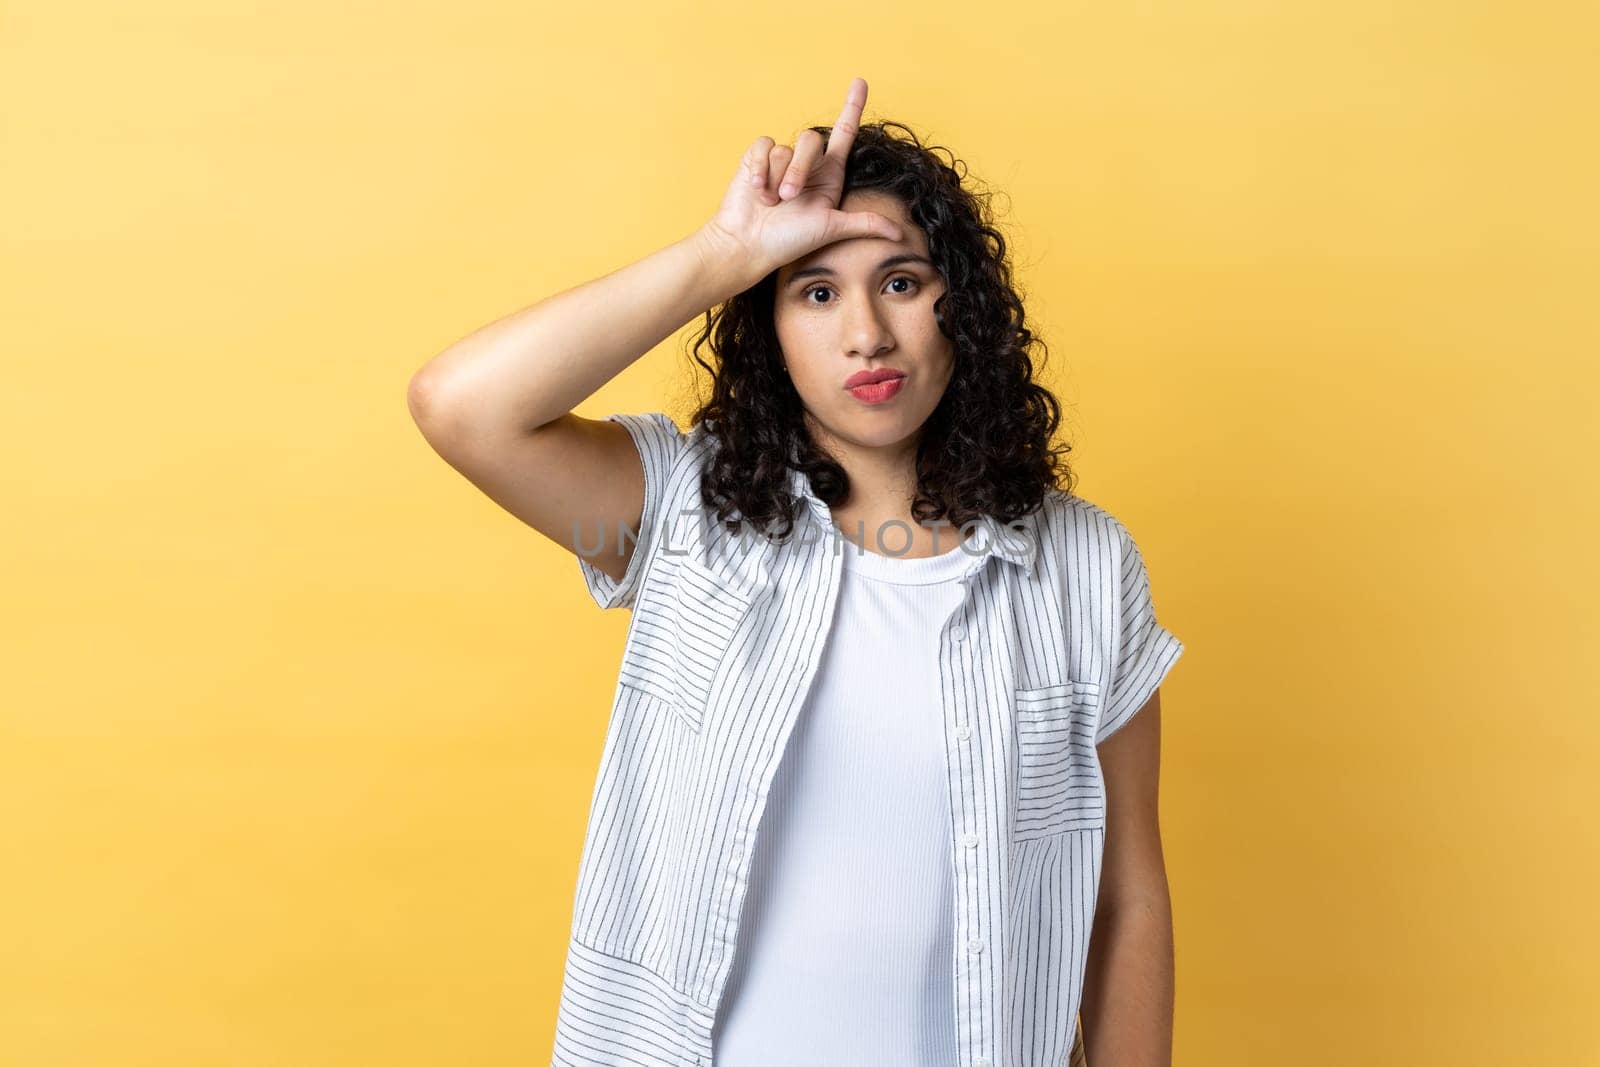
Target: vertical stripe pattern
x,y
1053,647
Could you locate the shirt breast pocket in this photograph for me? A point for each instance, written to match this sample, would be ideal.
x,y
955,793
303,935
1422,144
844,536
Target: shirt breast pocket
x,y
1058,784
691,617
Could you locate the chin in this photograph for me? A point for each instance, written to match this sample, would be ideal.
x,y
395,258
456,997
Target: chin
x,y
866,427
885,430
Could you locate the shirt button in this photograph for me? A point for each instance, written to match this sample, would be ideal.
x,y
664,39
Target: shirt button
x,y
963,732
980,1061
974,946
970,840
958,632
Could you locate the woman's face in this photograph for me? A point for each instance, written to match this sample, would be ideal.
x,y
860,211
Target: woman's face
x,y
865,304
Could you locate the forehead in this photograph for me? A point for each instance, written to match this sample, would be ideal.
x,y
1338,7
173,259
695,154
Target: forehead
x,y
871,248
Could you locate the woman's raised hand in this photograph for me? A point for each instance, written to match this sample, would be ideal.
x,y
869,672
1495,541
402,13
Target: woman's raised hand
x,y
784,202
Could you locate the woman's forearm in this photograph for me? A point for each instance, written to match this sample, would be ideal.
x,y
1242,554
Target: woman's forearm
x,y
534,365
1128,986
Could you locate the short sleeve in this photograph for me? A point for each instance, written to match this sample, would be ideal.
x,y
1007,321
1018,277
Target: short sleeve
x,y
1144,650
659,443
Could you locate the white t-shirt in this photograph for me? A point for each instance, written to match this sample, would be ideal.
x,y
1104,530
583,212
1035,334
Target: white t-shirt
x,y
845,952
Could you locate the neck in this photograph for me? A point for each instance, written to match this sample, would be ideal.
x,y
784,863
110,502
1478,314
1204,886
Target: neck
x,y
883,482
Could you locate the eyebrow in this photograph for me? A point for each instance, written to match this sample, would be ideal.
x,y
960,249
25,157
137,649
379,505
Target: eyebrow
x,y
892,261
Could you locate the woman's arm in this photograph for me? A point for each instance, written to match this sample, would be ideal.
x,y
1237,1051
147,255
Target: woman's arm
x,y
522,371
1128,983
497,404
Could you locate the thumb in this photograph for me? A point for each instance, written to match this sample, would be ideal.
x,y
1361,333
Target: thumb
x,y
846,224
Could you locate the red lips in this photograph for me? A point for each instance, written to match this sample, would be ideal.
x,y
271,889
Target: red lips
x,y
872,377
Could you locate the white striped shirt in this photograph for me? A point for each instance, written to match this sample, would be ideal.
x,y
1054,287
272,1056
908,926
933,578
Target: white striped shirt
x,y
1053,647
846,948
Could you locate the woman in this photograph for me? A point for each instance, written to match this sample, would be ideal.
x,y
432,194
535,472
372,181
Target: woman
x,y
876,785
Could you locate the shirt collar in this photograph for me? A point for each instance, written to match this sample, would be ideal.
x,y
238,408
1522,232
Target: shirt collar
x,y
1016,542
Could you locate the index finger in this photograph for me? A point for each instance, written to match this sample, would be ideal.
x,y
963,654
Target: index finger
x,y
849,120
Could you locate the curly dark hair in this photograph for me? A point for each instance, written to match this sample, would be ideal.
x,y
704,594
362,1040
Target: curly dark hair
x,y
984,450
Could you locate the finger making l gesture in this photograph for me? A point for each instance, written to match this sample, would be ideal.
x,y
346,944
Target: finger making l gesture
x,y
784,201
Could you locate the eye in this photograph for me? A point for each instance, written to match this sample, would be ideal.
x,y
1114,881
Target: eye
x,y
914,283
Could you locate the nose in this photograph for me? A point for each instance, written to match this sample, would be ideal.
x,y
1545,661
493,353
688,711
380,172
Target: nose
x,y
865,332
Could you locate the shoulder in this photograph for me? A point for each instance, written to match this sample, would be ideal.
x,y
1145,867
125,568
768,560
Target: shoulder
x,y
1076,526
669,451
700,440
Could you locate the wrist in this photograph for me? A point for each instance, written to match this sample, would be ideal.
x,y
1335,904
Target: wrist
x,y
725,258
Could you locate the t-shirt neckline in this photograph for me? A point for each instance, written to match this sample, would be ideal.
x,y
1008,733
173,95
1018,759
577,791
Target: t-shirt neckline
x,y
951,563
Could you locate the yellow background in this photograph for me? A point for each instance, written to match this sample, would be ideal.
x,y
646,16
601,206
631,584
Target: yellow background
x,y
300,730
